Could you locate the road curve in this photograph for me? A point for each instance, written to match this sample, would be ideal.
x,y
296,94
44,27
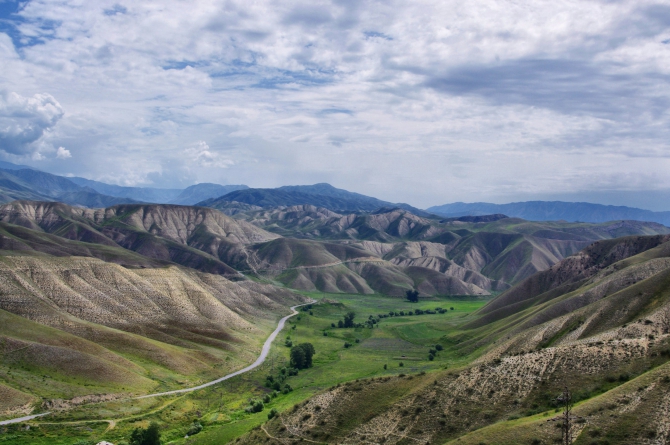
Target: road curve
x,y
264,353
261,358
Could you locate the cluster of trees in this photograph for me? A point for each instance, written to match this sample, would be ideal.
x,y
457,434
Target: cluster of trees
x,y
432,352
347,321
301,355
278,382
412,295
307,308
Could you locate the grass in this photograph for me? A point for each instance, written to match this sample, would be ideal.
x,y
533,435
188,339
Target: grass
x,y
221,408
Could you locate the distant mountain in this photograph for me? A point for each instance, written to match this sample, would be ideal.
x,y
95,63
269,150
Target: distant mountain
x,y
9,166
188,196
553,211
318,195
200,192
41,186
138,194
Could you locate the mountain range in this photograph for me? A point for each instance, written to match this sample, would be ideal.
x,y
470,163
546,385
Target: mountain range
x,y
553,211
310,248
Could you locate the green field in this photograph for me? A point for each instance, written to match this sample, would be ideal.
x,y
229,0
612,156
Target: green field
x,y
221,408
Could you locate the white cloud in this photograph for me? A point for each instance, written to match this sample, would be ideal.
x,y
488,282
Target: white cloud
x,y
63,153
455,100
24,120
201,155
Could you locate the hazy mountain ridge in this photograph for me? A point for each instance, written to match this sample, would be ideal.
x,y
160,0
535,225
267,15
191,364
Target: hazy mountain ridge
x,y
318,195
553,211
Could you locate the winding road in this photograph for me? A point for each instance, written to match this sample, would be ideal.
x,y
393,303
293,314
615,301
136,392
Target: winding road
x,y
259,361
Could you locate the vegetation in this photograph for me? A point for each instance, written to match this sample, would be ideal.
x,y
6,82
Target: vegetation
x,y
412,296
146,436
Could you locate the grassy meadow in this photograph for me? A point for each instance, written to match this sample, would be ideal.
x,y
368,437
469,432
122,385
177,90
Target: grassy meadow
x,y
220,409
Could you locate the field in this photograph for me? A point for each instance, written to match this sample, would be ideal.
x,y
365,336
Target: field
x,y
396,345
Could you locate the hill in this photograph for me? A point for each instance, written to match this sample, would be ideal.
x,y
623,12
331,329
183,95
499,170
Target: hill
x,y
198,238
553,211
98,328
319,195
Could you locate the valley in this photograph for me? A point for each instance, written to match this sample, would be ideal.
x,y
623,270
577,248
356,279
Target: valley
x,y
100,307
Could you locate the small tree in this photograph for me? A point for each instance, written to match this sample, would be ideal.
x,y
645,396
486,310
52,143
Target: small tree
x,y
565,399
349,319
412,296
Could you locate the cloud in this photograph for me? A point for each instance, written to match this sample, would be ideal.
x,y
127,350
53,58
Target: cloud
x,y
203,156
454,100
24,120
63,153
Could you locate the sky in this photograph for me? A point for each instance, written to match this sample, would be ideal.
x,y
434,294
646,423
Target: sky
x,y
424,102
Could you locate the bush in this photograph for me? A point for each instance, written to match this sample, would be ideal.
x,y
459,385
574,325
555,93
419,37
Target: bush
x,y
358,340
256,407
289,343
431,357
401,364
267,398
439,347
385,366
347,344
273,413
287,389
332,325
196,427
325,334
149,436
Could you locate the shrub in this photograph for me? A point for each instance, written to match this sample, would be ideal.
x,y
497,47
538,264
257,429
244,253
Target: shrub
x,y
195,428
385,366
149,436
325,334
273,413
358,340
431,357
301,355
347,344
267,398
401,364
256,406
439,347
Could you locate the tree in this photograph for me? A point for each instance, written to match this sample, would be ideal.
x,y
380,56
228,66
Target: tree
x,y
349,319
149,436
565,399
298,357
412,296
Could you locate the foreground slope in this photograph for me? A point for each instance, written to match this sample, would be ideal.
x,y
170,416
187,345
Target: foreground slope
x,y
597,322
